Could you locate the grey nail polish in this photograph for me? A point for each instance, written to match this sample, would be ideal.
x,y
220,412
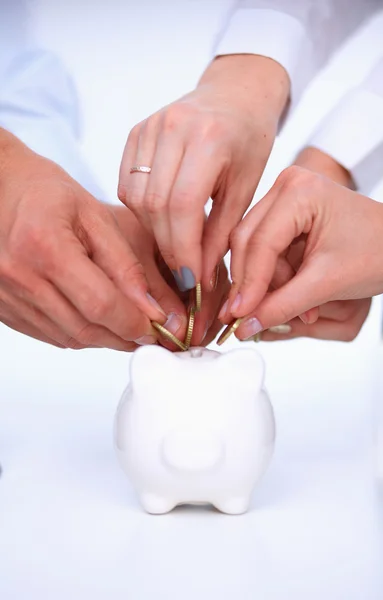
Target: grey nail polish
x,y
178,280
188,278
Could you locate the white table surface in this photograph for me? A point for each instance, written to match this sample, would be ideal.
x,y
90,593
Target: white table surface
x,y
70,525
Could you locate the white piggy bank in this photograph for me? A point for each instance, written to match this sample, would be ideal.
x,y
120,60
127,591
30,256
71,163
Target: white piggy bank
x,y
195,427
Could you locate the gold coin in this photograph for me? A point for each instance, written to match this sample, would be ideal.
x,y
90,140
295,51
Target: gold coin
x,y
169,336
198,297
189,332
231,328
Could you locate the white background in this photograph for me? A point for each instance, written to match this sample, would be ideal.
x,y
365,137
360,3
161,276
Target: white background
x,y
70,525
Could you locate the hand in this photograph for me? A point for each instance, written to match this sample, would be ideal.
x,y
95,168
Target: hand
x,y
164,289
342,251
341,320
67,275
213,142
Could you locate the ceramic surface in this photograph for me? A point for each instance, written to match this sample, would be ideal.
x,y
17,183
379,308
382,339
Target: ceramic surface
x,y
195,427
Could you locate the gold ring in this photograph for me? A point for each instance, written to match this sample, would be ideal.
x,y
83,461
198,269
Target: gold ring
x,y
140,169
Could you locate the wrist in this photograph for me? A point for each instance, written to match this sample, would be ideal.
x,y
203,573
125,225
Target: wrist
x,y
252,80
315,160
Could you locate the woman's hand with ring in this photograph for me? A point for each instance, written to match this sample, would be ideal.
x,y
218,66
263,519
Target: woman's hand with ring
x,y
212,143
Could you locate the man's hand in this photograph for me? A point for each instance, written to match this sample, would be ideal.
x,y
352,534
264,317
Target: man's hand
x,y
164,289
67,275
213,142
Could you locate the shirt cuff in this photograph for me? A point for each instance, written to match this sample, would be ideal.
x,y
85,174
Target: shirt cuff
x,y
352,134
272,34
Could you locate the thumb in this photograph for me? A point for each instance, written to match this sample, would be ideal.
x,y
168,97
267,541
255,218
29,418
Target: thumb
x,y
112,253
301,294
170,302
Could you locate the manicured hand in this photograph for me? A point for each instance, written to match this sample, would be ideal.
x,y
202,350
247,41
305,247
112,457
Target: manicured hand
x,y
339,236
213,142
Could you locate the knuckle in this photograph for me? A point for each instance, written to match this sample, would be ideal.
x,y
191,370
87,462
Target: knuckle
x,y
134,198
213,129
237,238
176,114
99,308
350,333
182,202
155,202
134,134
295,177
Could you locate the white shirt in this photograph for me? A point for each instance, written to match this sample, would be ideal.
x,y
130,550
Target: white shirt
x,y
38,101
302,35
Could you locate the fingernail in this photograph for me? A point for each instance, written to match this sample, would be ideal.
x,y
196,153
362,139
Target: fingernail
x,y
281,329
187,277
173,323
154,302
145,340
214,279
250,328
178,280
304,317
223,311
236,303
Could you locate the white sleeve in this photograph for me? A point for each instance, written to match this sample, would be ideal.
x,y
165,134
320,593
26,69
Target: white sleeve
x,y
38,101
299,34
353,131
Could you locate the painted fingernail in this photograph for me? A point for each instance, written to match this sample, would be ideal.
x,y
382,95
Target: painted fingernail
x,y
145,340
223,311
281,329
214,279
178,280
187,277
173,323
250,328
236,303
154,302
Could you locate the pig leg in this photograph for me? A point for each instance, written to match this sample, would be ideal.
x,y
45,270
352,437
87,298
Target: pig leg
x,y
156,505
236,505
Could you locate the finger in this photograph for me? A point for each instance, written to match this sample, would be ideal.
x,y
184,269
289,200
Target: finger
x,y
284,272
212,333
176,318
195,182
112,253
211,305
299,295
129,154
25,328
286,219
45,309
323,329
166,162
341,310
224,216
95,296
137,182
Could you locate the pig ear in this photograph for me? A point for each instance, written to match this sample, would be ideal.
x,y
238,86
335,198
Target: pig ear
x,y
244,364
149,366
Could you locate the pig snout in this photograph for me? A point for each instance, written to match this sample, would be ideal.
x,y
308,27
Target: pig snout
x,y
193,452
